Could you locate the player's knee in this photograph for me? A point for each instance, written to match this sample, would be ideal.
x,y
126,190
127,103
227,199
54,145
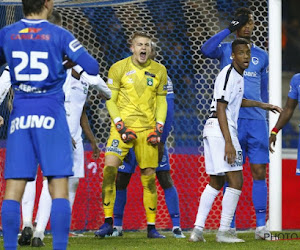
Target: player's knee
x,y
122,180
109,175
148,182
164,179
258,171
217,182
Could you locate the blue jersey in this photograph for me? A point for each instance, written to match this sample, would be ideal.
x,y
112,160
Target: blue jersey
x,y
294,92
255,76
35,50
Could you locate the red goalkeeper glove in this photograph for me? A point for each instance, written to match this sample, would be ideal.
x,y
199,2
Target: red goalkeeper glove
x,y
154,137
127,135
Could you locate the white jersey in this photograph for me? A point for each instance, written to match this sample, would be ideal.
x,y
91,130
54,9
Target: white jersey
x,y
75,96
5,84
229,88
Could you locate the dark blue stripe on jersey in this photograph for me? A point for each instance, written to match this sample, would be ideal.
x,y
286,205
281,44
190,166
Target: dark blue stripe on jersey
x,y
227,77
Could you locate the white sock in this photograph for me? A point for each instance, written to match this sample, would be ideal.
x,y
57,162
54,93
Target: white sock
x,y
44,209
207,199
73,184
229,203
28,203
119,228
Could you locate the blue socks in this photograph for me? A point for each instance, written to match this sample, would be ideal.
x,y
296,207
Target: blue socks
x,y
172,202
121,199
60,223
11,223
259,197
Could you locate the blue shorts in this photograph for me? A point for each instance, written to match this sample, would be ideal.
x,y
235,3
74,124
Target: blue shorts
x,y
38,133
254,140
130,163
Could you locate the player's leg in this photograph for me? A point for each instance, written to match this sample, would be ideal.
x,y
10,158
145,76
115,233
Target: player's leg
x,y
43,215
116,150
170,191
11,213
27,211
122,182
258,152
229,203
147,158
17,171
78,168
211,190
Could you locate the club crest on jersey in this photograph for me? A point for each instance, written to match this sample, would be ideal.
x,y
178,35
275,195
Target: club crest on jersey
x,y
255,60
130,72
31,121
75,45
149,81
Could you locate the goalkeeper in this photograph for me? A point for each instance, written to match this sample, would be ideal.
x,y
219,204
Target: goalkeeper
x,y
254,142
162,172
138,111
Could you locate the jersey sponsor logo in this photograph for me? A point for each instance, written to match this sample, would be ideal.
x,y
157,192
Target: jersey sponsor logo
x,y
130,72
30,30
75,45
250,73
149,81
114,150
30,36
149,74
31,121
255,60
110,81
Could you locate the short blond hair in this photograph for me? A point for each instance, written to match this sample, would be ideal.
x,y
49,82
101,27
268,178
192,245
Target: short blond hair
x,y
140,34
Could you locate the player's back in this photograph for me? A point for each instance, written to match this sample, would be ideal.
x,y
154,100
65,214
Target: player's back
x,y
35,50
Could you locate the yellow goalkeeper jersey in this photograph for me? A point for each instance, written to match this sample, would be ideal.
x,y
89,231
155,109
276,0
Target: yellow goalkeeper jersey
x,y
137,90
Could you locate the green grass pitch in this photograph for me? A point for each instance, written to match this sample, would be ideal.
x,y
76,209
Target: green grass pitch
x,y
138,240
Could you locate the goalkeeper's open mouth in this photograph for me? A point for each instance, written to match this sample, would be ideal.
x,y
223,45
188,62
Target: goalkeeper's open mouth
x,y
143,56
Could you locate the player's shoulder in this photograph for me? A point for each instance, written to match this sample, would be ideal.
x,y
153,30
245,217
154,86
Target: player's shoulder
x,y
295,79
121,64
259,51
158,66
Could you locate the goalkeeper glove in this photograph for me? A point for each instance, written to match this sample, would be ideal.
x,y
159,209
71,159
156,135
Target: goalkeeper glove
x,y
127,135
154,137
238,22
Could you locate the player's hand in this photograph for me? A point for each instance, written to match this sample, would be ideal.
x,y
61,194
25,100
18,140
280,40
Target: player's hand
x,y
273,108
230,153
127,134
161,149
1,121
238,22
272,141
154,137
96,151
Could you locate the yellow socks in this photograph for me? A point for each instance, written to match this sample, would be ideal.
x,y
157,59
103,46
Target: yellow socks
x,y
109,190
150,197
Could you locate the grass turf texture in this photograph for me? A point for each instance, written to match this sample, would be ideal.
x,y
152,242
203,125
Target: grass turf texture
x,y
139,240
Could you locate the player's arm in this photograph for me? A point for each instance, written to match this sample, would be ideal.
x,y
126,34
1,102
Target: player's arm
x,y
262,105
84,123
113,82
283,119
95,82
161,110
230,153
211,47
265,80
5,83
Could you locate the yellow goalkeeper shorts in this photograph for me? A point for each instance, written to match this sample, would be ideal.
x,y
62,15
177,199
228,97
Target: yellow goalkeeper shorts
x,y
146,154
